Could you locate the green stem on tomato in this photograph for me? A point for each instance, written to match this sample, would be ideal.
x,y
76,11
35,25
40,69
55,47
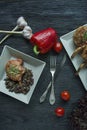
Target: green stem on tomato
x,y
35,49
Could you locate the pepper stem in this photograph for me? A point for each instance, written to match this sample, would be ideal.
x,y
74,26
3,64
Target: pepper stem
x,y
35,49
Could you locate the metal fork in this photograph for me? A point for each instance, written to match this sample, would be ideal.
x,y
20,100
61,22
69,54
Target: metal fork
x,y
52,71
43,96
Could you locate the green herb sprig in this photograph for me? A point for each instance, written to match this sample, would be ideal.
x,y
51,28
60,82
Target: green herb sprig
x,y
13,70
85,36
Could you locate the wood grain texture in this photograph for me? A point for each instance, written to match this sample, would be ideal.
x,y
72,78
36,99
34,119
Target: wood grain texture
x,y
64,16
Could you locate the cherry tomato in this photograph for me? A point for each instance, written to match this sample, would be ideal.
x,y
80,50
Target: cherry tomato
x,y
65,95
59,111
57,47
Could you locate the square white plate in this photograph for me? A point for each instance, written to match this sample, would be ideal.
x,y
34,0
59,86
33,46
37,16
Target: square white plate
x,y
67,41
30,62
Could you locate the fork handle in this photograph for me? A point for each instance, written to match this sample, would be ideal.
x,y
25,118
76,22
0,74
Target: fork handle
x,y
43,97
52,94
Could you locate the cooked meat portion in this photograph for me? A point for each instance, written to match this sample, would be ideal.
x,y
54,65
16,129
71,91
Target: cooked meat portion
x,y
80,36
80,40
23,87
84,54
15,70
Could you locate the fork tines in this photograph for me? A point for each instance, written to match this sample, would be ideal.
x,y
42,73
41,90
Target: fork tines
x,y
52,61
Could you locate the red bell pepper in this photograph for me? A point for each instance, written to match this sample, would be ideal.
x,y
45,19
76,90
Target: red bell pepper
x,y
44,40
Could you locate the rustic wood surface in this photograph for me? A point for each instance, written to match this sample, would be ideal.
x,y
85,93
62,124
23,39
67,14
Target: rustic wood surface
x,y
64,16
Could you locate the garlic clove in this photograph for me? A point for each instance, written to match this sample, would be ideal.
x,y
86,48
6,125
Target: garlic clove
x,y
27,32
21,22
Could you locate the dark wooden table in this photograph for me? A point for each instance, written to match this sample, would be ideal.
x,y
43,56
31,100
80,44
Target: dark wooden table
x,y
64,16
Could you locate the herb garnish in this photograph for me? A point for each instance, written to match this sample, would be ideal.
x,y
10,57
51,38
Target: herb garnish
x,y
85,36
13,70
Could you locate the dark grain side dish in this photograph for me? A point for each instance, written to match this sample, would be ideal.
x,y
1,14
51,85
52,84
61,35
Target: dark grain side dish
x,y
79,115
19,79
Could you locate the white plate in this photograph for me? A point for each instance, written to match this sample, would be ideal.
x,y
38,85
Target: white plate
x,y
67,41
30,62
